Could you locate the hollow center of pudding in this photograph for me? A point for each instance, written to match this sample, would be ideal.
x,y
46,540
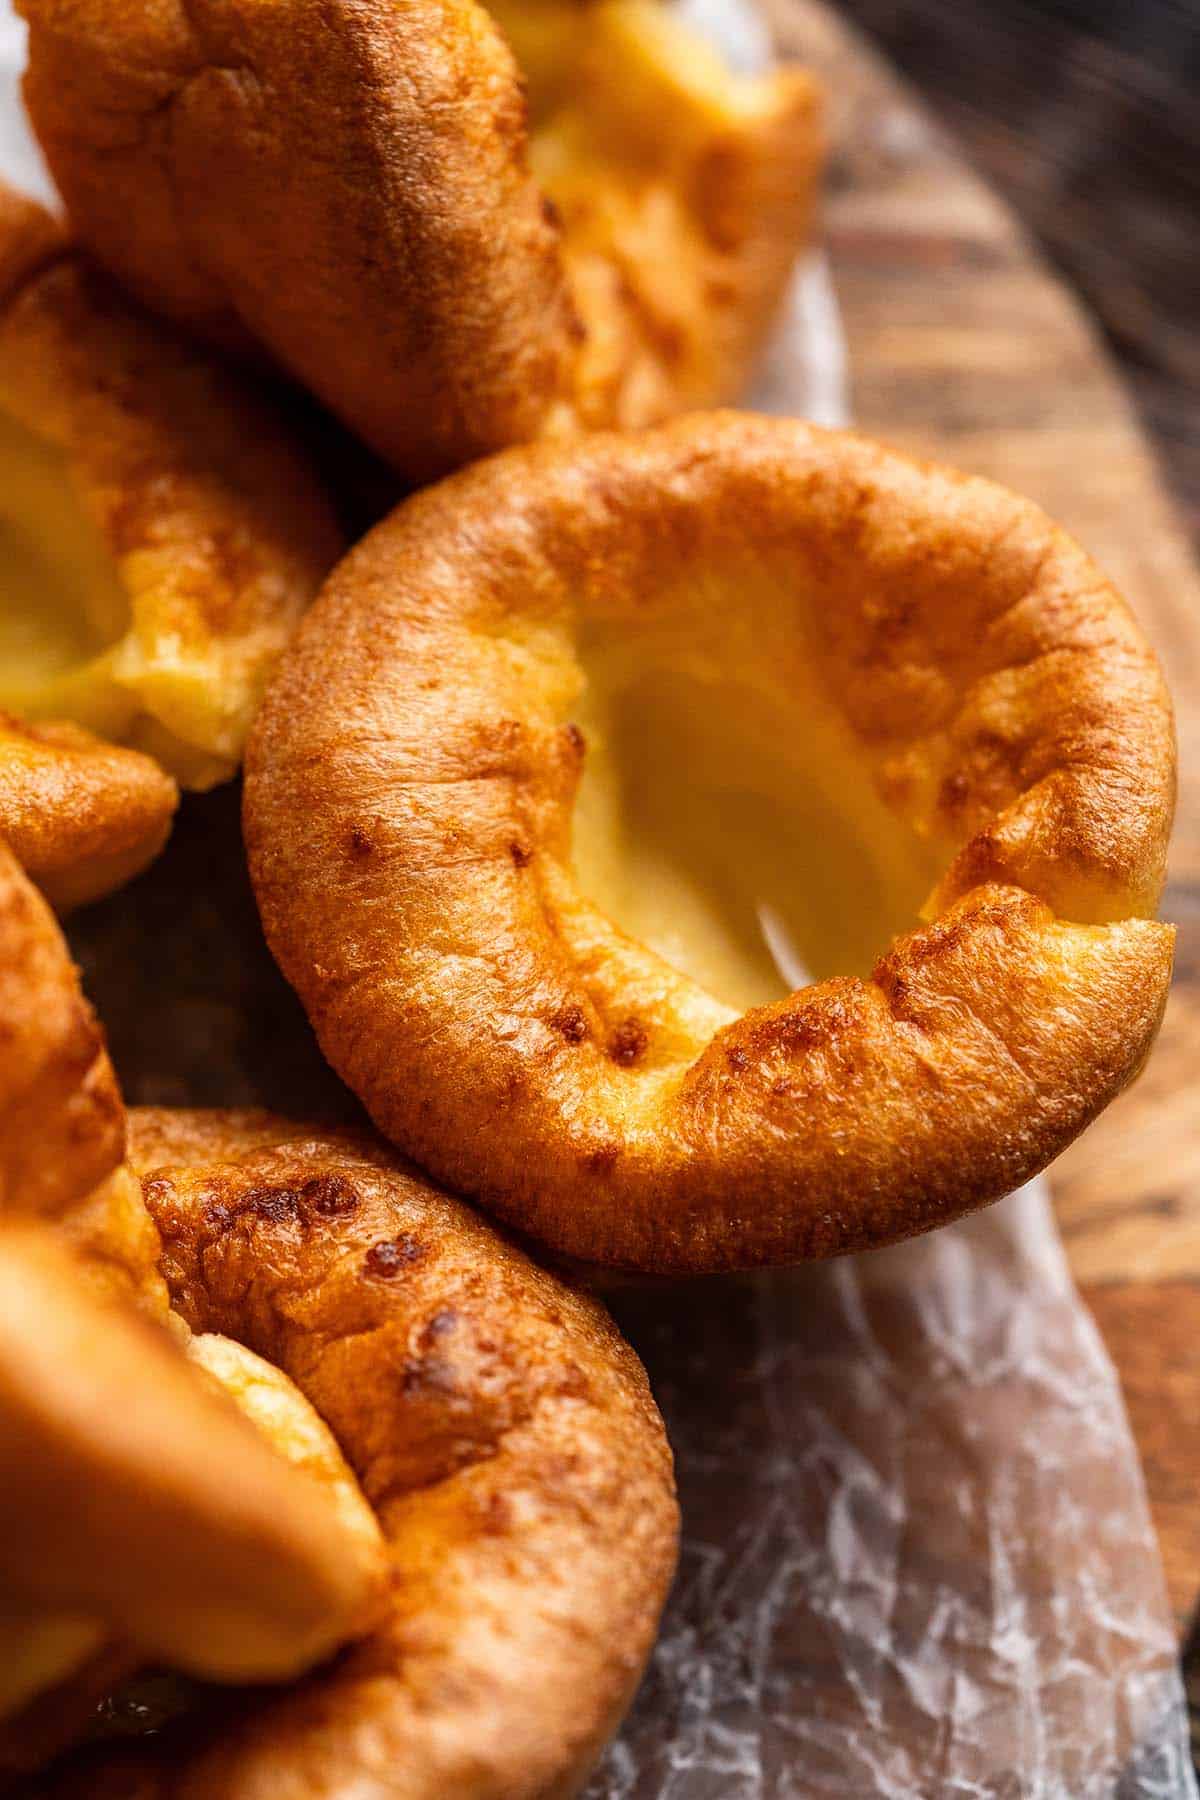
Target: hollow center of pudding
x,y
61,603
730,823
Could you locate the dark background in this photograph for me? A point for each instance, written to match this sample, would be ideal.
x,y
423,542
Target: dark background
x,y
1085,115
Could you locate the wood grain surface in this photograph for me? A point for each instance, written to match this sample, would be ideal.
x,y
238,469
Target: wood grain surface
x,y
964,345
1085,114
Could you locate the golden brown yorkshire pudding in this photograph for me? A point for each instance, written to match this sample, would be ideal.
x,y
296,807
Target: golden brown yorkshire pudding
x,y
352,184
824,693
159,537
140,1513
500,1427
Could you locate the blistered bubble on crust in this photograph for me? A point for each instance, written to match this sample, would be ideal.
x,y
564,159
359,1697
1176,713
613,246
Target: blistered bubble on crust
x,y
917,664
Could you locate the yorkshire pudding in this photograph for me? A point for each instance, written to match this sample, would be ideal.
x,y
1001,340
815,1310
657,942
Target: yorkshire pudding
x,y
140,1514
351,183
504,1434
825,693
159,537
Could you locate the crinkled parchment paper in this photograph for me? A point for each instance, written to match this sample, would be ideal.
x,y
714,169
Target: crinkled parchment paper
x,y
917,1556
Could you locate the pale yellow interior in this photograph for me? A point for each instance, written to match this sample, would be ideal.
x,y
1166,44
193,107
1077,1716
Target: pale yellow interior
x,y
590,69
81,637
62,606
730,821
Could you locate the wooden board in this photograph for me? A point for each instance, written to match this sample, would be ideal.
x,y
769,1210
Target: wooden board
x,y
963,345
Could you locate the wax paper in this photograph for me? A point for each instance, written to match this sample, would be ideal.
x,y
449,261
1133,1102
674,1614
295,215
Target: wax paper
x,y
917,1558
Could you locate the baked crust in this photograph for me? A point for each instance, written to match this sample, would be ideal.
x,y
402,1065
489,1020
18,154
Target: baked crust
x,y
499,1425
348,184
29,239
196,519
57,1085
957,655
82,816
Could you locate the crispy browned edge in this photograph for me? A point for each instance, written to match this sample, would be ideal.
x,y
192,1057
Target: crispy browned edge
x,y
83,816
497,1421
57,1086
347,184
406,752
